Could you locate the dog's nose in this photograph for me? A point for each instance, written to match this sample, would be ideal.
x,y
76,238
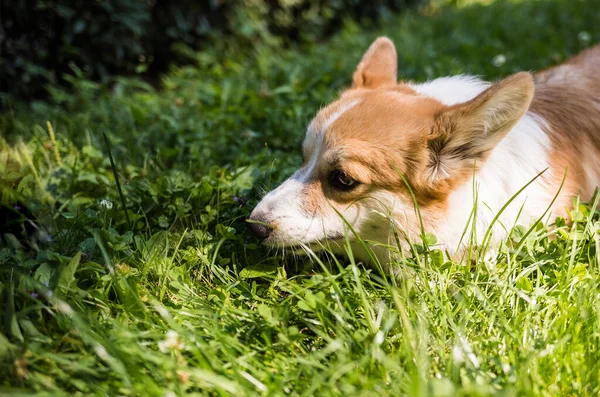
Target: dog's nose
x,y
261,229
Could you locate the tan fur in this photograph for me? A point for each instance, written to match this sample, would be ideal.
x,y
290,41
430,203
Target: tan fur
x,y
393,131
382,138
567,96
398,144
378,67
388,136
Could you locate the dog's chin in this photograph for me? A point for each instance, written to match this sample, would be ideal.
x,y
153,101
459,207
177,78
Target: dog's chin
x,y
300,247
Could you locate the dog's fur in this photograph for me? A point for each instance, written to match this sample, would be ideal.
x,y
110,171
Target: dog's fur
x,y
458,146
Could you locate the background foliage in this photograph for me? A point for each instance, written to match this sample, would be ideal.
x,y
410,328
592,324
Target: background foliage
x,y
165,292
44,39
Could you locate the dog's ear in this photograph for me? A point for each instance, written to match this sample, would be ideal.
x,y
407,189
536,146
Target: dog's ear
x,y
466,133
379,65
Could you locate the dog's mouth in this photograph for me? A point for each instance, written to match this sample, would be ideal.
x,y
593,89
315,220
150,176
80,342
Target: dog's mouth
x,y
316,245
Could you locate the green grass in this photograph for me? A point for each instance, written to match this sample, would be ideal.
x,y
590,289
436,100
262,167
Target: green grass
x,y
163,292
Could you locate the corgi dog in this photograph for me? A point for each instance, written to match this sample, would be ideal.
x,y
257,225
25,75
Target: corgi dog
x,y
388,160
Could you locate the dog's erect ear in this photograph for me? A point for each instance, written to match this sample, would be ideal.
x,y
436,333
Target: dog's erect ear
x,y
467,132
379,65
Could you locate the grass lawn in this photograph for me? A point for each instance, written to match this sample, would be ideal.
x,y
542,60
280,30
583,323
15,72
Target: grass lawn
x,y
163,291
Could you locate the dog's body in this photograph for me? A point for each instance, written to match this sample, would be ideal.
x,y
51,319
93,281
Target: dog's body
x,y
458,147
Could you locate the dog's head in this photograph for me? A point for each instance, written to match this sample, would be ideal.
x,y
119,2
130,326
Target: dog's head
x,y
381,148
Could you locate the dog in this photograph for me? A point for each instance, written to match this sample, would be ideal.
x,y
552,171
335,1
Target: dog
x,y
388,160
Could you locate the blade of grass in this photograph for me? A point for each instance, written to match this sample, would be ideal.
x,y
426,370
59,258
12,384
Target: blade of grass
x,y
116,175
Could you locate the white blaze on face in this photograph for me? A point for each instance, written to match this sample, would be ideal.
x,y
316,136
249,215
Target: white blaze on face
x,y
315,133
284,207
336,115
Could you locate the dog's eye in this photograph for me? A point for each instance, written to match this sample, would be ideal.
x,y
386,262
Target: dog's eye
x,y
341,181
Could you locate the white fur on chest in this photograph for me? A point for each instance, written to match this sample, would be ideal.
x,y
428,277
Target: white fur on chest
x,y
518,158
452,90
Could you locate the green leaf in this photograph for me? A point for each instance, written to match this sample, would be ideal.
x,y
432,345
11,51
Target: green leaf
x,y
44,274
88,245
91,152
303,306
127,292
437,258
266,313
155,245
576,216
225,231
441,388
163,221
12,176
430,239
5,347
10,316
518,232
524,284
310,299
67,275
258,271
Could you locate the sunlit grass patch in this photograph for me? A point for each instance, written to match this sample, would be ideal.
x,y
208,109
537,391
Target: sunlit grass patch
x,y
164,292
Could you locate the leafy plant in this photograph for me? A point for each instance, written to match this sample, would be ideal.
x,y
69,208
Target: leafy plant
x,y
164,292
43,40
